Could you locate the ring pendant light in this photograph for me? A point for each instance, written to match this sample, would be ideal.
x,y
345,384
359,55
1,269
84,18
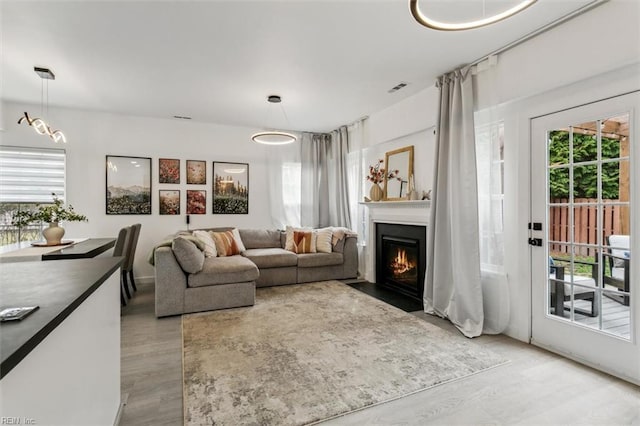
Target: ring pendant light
x,y
274,137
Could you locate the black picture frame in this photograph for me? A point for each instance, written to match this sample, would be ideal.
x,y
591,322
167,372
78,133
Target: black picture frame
x,y
230,188
127,185
169,170
196,201
169,202
196,172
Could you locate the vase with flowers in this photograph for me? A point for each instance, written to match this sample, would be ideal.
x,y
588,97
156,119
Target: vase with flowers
x,y
51,214
377,175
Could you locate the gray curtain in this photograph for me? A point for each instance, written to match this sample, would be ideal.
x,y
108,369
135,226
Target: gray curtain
x,y
324,197
453,287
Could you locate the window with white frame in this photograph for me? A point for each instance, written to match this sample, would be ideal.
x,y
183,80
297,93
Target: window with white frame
x,y
28,176
490,164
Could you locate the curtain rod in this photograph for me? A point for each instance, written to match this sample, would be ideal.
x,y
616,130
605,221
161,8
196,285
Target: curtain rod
x,y
542,29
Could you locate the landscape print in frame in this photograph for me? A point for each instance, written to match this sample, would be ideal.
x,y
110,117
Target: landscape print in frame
x,y
128,185
169,202
168,170
230,188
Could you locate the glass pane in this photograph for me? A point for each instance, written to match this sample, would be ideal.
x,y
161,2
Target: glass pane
x,y
585,183
558,224
585,227
558,147
615,136
559,185
585,142
616,316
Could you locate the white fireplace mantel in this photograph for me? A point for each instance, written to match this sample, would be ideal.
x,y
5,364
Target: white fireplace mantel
x,y
397,212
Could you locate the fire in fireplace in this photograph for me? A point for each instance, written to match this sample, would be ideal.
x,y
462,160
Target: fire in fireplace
x,y
401,258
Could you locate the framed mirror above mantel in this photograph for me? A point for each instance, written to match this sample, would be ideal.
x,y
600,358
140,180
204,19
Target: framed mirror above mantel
x,y
397,188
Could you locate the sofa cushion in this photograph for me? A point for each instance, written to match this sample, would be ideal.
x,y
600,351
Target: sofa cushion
x,y
260,238
311,260
271,257
289,243
188,255
224,270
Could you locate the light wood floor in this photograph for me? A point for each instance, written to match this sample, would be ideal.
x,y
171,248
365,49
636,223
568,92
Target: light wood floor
x,y
536,387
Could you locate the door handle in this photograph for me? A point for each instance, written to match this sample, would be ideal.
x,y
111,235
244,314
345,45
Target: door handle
x,y
535,242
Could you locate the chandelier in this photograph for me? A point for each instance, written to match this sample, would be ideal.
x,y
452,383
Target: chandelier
x,y
274,137
428,22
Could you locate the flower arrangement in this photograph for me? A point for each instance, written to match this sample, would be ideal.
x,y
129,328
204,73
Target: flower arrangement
x,y
377,173
51,213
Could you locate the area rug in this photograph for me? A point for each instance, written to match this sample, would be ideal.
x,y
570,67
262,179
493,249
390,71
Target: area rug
x,y
310,352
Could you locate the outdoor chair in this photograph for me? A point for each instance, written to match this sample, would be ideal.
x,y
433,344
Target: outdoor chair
x,y
560,288
619,267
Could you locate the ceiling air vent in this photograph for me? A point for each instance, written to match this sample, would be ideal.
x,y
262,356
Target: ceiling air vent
x,y
182,117
397,87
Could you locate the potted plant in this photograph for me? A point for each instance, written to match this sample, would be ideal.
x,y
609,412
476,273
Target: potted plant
x,y
51,214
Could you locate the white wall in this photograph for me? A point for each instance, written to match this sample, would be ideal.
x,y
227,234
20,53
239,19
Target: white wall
x,y
93,135
588,58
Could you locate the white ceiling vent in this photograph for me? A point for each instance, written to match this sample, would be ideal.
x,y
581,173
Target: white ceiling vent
x,y
397,87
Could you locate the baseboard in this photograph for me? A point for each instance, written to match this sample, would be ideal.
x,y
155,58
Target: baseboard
x,y
123,401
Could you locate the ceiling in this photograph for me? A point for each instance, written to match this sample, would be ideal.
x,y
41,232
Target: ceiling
x,y
332,61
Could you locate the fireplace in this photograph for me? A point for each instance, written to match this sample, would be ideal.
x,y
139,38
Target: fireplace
x,y
401,258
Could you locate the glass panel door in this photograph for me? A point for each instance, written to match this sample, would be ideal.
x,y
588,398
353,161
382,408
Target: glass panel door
x,y
582,288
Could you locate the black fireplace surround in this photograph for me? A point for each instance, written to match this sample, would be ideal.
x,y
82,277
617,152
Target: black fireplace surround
x,y
401,258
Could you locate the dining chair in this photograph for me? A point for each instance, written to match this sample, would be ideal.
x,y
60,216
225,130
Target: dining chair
x,y
131,255
120,249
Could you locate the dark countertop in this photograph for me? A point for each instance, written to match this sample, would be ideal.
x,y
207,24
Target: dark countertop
x,y
84,249
57,287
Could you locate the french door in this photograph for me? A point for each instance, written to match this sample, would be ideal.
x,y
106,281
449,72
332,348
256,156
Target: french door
x,y
585,192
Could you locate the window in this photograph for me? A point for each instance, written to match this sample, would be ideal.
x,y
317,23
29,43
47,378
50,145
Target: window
x,y
490,163
28,176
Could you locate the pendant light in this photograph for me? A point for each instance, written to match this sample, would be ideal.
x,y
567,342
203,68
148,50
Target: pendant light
x,y
38,124
274,137
428,22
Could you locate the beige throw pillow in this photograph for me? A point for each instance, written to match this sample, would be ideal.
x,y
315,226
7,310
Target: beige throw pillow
x,y
323,240
207,241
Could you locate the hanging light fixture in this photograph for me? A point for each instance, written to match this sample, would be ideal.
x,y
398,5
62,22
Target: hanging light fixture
x,y
428,22
38,124
274,137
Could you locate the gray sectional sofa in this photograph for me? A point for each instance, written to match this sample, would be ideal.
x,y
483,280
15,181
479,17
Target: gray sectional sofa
x,y
227,282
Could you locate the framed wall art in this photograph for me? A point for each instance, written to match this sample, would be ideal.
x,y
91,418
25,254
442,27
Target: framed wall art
x,y
169,202
168,170
196,202
128,185
230,188
196,172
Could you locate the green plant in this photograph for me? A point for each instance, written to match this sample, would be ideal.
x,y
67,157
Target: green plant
x,y
50,213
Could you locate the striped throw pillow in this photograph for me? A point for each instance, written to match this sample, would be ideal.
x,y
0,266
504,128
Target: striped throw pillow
x,y
225,243
304,242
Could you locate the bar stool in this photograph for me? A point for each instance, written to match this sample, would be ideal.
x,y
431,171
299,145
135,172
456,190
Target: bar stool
x,y
120,249
127,268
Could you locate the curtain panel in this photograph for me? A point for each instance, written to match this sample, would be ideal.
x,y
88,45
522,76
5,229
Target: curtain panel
x,y
324,194
453,287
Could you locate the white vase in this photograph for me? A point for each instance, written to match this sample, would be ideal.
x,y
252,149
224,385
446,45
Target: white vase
x,y
53,234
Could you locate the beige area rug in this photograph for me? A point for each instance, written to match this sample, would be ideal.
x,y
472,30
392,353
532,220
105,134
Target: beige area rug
x,y
310,352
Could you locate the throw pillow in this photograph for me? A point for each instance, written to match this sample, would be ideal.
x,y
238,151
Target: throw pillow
x,y
207,241
188,255
225,243
288,245
236,236
323,240
304,242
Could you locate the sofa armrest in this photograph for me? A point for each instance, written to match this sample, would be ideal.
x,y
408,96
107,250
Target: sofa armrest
x,y
350,255
171,283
